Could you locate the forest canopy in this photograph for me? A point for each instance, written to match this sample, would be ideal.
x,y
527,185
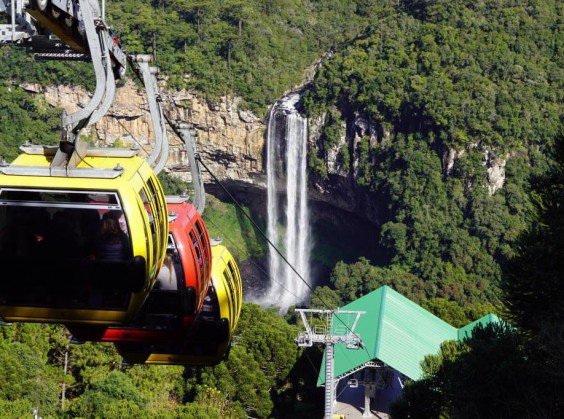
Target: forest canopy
x,y
448,90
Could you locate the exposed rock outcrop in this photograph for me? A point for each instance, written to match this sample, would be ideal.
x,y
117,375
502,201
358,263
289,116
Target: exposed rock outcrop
x,y
230,141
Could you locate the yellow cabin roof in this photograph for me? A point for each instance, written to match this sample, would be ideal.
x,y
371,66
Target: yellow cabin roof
x,y
128,166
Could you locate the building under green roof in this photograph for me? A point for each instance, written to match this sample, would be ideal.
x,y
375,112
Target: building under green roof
x,y
395,331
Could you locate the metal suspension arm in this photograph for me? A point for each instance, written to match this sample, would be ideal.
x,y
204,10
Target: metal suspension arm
x,y
71,151
186,132
158,158
80,25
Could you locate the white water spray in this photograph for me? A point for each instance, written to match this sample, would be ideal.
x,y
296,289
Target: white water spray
x,y
289,231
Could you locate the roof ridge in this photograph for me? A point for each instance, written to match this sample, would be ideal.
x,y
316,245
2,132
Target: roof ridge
x,y
380,317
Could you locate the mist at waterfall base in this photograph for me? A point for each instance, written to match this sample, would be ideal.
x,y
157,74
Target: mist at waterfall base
x,y
336,235
288,225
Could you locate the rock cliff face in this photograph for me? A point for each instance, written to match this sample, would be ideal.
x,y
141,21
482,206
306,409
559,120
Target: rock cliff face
x,y
230,141
232,144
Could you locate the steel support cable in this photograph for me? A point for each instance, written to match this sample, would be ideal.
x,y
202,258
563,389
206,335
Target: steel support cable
x,y
260,268
252,221
276,249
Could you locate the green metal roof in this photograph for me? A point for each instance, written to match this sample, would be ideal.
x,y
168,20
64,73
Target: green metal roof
x,y
395,331
466,331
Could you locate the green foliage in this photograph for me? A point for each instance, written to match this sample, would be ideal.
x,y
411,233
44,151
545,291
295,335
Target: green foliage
x,y
19,408
26,377
92,362
119,143
112,396
316,164
241,382
270,339
25,118
428,231
258,368
200,411
226,221
523,363
394,238
17,64
533,278
332,132
447,310
365,170
173,185
471,73
454,384
252,49
325,297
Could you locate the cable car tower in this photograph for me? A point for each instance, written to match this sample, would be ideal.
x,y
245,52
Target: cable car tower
x,y
329,334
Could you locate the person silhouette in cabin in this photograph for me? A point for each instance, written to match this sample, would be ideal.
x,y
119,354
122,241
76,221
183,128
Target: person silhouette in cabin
x,y
166,278
111,243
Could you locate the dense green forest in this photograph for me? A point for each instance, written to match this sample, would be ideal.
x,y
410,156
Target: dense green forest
x,y
483,79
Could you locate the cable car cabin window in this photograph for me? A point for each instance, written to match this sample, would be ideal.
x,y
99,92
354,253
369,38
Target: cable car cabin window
x,y
160,215
235,289
163,308
235,275
149,208
170,276
156,211
56,242
204,258
205,250
172,250
200,260
231,294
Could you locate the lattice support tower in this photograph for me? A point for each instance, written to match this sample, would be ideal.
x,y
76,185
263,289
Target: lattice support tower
x,y
329,335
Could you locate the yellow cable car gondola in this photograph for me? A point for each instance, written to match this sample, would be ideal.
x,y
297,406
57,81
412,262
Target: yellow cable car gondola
x,y
208,343
84,243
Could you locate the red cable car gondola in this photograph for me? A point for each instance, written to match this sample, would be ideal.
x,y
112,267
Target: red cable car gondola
x,y
179,293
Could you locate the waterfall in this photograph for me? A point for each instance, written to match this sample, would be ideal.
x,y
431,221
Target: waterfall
x,y
288,230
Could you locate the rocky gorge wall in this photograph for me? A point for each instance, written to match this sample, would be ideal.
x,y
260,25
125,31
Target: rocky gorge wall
x,y
232,143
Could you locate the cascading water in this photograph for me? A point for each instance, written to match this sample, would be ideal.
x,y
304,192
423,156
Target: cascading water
x,y
288,230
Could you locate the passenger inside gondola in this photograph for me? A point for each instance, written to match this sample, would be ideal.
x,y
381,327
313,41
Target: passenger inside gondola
x,y
119,216
166,279
111,243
